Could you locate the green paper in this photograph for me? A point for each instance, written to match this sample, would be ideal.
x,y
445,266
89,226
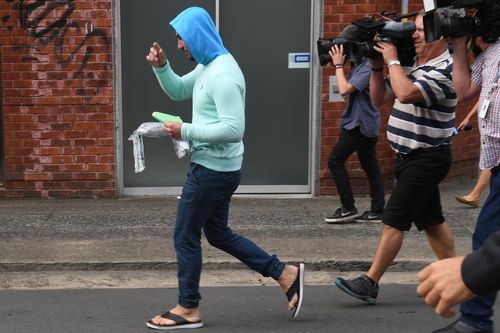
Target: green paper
x,y
164,117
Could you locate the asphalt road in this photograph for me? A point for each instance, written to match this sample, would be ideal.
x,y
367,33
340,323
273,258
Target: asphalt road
x,y
224,309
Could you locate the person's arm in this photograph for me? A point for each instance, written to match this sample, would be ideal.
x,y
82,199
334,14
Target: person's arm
x,y
481,269
156,56
469,116
442,286
378,91
338,60
465,88
402,87
446,283
176,87
229,103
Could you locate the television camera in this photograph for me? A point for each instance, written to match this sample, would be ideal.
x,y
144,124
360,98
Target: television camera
x,y
366,32
451,18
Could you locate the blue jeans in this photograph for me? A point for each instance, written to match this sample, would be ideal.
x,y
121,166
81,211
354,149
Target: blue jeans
x,y
204,205
478,311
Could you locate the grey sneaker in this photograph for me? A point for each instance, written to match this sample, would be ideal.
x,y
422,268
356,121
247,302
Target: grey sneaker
x,y
361,288
342,215
459,326
369,216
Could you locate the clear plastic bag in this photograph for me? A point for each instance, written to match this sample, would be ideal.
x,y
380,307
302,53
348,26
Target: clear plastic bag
x,y
153,130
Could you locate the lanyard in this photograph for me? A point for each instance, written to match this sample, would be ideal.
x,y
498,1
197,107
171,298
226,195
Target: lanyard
x,y
487,100
496,82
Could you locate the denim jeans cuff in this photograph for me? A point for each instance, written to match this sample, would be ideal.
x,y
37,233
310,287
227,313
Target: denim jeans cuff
x,y
478,323
188,304
275,268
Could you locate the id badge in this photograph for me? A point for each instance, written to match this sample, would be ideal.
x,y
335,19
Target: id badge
x,y
484,108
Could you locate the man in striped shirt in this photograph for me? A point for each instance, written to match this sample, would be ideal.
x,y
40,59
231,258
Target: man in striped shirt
x,y
419,131
482,80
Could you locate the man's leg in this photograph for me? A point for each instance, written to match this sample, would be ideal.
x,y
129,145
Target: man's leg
x,y
416,176
405,202
431,220
441,240
478,311
192,212
388,248
368,159
221,236
347,144
476,314
194,209
365,287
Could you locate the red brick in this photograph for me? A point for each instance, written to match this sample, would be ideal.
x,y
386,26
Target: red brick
x,y
19,194
72,168
37,175
86,159
85,126
62,159
62,194
59,122
51,168
62,176
49,151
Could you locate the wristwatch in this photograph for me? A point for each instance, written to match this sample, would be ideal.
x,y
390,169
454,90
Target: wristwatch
x,y
393,62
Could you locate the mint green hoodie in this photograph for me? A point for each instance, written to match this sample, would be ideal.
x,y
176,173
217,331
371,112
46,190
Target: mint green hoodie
x,y
217,87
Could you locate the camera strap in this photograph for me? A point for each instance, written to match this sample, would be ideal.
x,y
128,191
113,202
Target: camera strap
x,y
486,103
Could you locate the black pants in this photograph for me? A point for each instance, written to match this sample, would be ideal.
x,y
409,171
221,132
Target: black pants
x,y
415,198
351,141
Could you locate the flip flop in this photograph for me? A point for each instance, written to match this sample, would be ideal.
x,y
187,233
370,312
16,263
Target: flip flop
x,y
297,288
179,323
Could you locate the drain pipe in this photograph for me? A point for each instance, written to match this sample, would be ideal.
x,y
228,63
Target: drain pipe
x,y
404,7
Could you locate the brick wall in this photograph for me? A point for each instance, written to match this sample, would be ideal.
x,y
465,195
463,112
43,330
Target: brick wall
x,y
337,15
57,89
57,100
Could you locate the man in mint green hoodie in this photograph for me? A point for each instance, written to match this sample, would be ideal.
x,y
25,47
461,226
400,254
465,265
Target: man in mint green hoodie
x,y
217,87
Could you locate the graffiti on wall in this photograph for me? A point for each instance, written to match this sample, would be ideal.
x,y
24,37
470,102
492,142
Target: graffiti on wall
x,y
50,23
6,18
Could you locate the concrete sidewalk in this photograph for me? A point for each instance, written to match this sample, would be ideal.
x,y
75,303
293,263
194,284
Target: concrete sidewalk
x,y
136,233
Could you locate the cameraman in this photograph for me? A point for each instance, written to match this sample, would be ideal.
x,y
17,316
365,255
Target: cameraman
x,y
482,80
359,131
419,131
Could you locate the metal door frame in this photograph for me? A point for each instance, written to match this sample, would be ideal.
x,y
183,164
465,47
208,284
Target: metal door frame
x,y
2,131
315,78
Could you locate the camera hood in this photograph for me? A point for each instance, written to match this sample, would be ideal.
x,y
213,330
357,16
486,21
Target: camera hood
x,y
432,27
466,3
369,27
398,30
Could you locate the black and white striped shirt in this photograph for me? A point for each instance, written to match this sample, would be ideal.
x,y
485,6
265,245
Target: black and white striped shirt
x,y
429,123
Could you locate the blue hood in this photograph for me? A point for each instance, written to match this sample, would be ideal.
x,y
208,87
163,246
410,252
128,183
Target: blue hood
x,y
198,31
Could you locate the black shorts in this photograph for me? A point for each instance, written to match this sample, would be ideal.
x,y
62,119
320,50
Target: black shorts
x,y
415,198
